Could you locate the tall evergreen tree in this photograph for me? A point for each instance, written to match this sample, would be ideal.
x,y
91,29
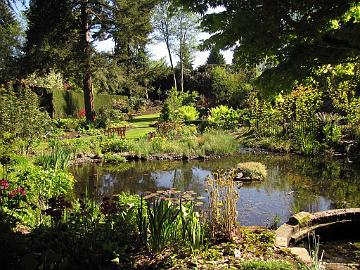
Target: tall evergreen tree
x,y
9,41
132,26
215,57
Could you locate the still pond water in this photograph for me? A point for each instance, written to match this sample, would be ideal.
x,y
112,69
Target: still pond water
x,y
293,183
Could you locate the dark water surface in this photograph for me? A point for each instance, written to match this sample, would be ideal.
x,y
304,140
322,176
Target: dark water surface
x,y
293,184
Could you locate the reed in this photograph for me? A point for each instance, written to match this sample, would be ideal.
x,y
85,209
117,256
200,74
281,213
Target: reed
x,y
223,197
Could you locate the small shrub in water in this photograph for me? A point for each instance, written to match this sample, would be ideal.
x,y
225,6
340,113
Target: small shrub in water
x,y
253,170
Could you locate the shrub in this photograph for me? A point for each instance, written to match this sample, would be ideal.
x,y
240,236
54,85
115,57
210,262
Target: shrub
x,y
223,117
175,99
114,144
253,170
46,184
69,124
307,144
22,123
188,113
329,127
229,87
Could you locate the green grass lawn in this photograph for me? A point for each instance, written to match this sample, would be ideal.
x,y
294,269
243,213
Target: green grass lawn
x,y
141,125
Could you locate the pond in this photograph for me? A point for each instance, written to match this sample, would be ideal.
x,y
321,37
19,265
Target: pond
x,y
293,184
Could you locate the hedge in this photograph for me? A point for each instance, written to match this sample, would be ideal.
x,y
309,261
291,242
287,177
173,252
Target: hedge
x,y
68,103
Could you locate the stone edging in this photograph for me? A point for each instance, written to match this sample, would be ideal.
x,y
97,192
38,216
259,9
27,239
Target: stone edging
x,y
299,225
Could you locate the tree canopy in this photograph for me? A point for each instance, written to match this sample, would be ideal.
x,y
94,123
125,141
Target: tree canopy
x,y
290,39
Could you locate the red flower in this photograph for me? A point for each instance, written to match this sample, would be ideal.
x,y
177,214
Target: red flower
x,y
4,184
81,113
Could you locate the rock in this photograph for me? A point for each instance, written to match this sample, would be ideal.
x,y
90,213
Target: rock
x,y
302,254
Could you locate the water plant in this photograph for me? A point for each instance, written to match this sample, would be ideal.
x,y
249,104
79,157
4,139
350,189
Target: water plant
x,y
223,197
314,250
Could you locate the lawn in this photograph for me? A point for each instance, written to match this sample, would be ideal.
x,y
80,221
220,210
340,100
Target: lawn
x,y
141,125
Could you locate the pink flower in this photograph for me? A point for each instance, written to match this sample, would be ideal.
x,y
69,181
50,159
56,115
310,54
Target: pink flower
x,y
4,184
17,191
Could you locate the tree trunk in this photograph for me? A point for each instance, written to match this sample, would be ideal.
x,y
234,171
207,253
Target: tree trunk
x,y
172,64
181,56
165,26
87,79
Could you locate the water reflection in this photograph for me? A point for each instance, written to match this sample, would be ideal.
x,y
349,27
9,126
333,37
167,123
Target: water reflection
x,y
293,184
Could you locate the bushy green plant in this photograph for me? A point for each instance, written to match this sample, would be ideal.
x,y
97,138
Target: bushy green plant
x,y
307,144
228,86
299,105
253,170
188,113
115,144
22,123
330,130
223,117
47,183
175,100
113,158
69,124
332,133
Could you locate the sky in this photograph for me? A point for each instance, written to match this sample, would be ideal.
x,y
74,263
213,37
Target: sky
x,y
159,51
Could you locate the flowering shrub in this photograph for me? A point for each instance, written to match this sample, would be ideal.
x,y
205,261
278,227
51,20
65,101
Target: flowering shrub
x,y
13,199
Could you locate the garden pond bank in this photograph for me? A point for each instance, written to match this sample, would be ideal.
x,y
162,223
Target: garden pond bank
x,y
293,184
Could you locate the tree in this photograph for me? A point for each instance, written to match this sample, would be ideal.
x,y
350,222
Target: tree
x,y
185,39
132,27
9,41
164,25
54,24
177,28
215,57
290,38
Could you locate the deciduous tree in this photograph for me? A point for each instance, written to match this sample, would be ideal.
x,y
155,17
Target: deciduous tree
x,y
290,38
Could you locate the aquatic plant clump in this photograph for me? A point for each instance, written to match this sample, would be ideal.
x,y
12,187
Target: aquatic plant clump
x,y
252,170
